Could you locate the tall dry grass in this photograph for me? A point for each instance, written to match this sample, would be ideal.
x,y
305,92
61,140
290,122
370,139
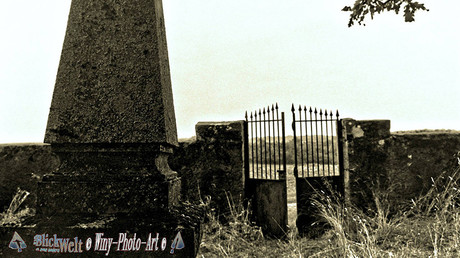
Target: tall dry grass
x,y
429,228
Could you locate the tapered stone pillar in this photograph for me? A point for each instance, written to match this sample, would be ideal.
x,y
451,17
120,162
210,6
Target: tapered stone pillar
x,y
112,120
113,84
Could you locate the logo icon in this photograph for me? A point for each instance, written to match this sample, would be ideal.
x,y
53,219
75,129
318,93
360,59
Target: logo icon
x,y
178,243
17,243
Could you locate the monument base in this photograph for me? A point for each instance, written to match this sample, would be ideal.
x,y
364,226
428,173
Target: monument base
x,y
97,179
111,199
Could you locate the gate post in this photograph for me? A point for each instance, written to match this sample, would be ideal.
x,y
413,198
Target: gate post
x,y
295,141
340,143
248,188
344,164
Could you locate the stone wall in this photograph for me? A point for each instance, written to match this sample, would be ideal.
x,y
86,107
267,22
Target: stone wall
x,y
397,165
212,165
415,158
23,165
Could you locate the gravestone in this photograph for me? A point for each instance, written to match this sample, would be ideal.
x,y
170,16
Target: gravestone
x,y
112,125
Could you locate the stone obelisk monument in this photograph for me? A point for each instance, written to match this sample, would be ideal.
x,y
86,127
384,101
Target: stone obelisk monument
x,y
112,125
112,120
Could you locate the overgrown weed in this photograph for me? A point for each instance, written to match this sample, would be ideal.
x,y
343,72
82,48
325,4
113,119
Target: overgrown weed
x,y
430,227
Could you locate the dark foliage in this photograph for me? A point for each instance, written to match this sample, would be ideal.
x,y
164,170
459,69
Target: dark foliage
x,y
363,8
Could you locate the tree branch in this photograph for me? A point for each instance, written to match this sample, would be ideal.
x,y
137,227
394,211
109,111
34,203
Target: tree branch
x,y
363,8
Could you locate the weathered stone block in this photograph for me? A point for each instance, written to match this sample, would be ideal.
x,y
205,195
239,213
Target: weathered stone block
x,y
367,159
230,132
212,165
369,129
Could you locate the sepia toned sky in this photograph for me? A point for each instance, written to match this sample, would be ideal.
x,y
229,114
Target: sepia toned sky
x,y
229,56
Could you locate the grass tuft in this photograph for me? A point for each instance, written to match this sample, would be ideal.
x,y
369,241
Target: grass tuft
x,y
13,216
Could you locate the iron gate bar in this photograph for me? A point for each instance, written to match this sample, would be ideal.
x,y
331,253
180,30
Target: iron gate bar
x,y
296,172
333,156
317,149
301,145
312,149
327,144
265,142
274,140
322,138
252,147
306,139
278,124
252,144
284,146
339,143
260,138
269,142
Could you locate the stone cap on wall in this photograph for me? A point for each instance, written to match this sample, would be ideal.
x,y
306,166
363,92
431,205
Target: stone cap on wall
x,y
220,131
376,129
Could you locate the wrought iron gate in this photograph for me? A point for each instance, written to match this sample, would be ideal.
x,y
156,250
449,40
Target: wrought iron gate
x,y
318,159
265,168
317,156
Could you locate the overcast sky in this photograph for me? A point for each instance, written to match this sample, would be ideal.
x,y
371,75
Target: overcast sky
x,y
229,56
